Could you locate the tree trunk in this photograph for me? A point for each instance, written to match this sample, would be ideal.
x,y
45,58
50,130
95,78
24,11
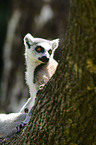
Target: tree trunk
x,y
65,110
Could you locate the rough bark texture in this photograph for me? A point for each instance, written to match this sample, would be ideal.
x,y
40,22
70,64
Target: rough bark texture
x,y
65,110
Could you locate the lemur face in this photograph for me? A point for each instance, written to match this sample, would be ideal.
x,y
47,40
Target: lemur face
x,y
39,50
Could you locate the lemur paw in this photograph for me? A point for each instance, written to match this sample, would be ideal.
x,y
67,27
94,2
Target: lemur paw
x,y
20,126
41,86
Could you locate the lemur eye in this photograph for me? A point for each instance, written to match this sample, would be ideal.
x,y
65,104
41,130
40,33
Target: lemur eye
x,y
39,49
50,51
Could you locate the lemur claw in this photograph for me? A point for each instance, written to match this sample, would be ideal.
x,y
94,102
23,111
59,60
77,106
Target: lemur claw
x,y
20,126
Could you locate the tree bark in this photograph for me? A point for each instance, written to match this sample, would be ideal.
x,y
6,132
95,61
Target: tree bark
x,y
65,110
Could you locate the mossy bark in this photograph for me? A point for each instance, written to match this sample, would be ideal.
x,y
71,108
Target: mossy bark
x,y
65,110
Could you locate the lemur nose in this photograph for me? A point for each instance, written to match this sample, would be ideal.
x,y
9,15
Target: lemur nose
x,y
44,59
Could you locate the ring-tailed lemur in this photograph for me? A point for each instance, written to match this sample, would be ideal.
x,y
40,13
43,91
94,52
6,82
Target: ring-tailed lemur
x,y
40,66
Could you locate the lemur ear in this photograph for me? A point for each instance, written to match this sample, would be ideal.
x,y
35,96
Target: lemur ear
x,y
28,40
55,43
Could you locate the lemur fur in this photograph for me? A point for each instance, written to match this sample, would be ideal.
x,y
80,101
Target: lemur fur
x,y
40,66
8,122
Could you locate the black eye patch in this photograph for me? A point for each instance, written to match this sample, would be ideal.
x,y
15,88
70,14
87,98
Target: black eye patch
x,y
39,49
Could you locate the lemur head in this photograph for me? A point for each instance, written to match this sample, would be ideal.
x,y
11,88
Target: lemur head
x,y
39,50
